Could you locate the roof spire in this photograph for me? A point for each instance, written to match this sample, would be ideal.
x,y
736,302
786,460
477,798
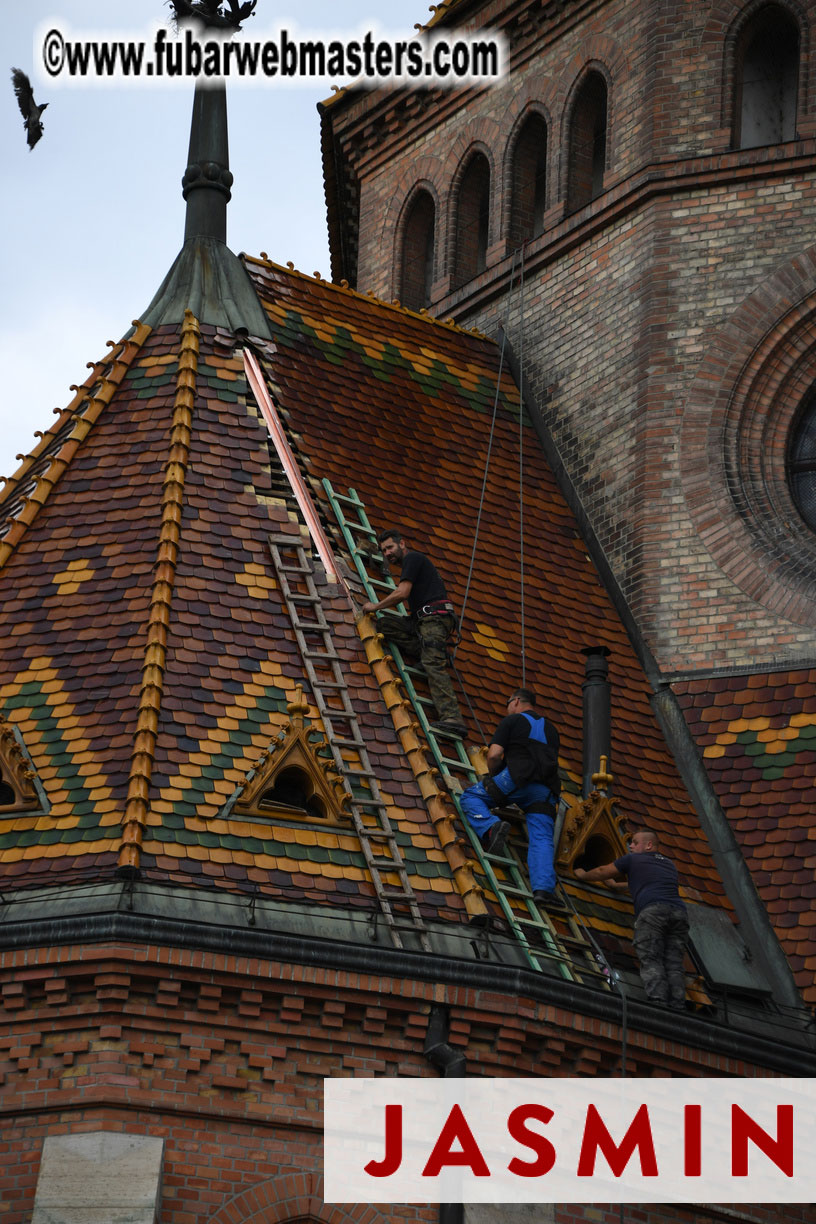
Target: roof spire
x,y
207,180
206,278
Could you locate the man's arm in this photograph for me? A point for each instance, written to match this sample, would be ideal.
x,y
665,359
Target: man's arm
x,y
399,593
607,872
495,759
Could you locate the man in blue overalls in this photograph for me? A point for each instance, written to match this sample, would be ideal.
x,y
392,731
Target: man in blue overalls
x,y
523,765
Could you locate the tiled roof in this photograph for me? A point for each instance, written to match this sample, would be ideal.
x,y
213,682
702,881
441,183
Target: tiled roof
x,y
146,655
399,407
757,734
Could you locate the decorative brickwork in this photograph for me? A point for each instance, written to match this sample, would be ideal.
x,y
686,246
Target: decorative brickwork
x,y
757,371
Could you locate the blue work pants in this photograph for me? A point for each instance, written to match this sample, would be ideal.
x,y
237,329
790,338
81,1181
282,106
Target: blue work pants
x,y
531,798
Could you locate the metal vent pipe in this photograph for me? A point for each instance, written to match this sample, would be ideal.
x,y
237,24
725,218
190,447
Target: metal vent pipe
x,y
597,714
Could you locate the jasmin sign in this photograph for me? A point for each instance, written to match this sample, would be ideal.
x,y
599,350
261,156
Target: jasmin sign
x,y
570,1140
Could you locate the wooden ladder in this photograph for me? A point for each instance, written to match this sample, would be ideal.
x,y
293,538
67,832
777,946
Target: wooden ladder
x,y
367,808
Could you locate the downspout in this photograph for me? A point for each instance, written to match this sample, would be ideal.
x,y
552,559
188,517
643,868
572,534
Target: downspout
x,y
452,1063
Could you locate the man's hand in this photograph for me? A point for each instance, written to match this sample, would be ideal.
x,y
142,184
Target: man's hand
x,y
607,874
370,607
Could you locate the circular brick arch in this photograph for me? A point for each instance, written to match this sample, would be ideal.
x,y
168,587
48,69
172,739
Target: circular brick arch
x,y
294,1198
737,420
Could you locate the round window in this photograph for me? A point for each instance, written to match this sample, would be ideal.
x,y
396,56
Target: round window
x,y
802,463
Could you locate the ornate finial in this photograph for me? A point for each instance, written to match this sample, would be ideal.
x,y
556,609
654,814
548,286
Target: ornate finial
x,y
212,13
602,780
297,708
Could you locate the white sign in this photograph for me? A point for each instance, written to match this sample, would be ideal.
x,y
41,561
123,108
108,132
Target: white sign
x,y
569,1140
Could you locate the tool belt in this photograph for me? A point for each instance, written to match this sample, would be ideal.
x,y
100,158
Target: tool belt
x,y
438,607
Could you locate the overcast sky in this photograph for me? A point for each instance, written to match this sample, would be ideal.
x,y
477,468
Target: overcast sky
x,y
93,216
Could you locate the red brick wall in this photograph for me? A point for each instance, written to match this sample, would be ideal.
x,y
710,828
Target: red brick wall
x,y
224,1059
627,301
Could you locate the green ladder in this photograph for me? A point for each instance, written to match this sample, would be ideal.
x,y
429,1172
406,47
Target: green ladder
x,y
575,953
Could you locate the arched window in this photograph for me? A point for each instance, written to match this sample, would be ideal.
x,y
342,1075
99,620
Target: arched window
x,y
472,220
766,79
587,142
294,789
597,851
529,181
417,271
802,463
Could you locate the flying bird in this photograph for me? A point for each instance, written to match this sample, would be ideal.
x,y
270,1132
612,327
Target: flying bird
x,y
28,107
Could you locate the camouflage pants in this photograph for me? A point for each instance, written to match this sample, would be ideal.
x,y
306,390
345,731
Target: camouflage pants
x,y
428,639
661,931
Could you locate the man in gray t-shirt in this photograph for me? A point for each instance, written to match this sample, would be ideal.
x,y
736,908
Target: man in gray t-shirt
x,y
661,921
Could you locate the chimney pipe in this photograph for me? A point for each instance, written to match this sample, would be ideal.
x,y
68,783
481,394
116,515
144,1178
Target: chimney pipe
x,y
597,713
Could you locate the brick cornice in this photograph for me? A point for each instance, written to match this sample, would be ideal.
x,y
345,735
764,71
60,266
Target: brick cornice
x,y
532,1020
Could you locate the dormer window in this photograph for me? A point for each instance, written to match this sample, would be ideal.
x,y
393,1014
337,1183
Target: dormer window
x,y
20,789
294,790
597,851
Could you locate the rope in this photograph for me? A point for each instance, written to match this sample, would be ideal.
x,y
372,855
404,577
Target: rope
x,y
521,472
466,696
486,470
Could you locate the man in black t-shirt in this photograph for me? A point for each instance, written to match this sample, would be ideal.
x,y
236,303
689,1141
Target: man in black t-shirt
x,y
523,764
661,921
425,631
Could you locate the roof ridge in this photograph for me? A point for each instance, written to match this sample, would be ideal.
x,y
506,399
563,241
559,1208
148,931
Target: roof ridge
x,y
34,488
136,811
343,287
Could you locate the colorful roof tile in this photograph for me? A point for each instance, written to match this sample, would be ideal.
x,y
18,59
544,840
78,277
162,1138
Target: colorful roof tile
x,y
147,657
757,735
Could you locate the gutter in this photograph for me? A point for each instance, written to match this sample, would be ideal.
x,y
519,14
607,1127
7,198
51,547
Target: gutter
x,y
452,1064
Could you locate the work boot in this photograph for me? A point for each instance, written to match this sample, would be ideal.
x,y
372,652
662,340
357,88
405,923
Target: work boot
x,y
496,837
451,727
